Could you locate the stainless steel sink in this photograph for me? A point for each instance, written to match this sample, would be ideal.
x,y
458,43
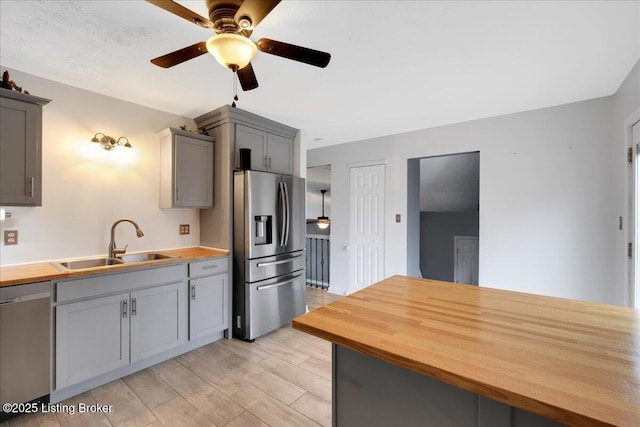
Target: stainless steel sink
x,y
89,263
145,256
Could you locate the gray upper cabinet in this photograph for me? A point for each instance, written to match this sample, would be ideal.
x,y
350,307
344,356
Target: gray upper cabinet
x,y
271,143
186,169
256,141
279,154
269,152
20,149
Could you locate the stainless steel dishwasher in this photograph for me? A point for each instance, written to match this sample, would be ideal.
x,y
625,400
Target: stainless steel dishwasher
x,y
25,344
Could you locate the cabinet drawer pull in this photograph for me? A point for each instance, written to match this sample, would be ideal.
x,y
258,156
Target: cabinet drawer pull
x,y
209,267
133,306
124,309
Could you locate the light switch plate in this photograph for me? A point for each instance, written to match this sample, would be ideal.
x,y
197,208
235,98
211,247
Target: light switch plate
x,y
10,237
397,217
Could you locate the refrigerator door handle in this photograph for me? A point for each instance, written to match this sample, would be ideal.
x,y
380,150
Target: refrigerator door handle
x,y
282,261
275,285
288,210
283,208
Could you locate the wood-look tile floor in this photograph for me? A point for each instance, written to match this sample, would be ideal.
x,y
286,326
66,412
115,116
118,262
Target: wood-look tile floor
x,y
281,379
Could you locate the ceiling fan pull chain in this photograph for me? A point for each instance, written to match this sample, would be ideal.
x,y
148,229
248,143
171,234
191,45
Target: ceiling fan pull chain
x,y
235,87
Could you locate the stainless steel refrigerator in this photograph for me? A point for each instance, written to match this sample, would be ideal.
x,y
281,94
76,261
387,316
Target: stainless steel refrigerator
x,y
269,257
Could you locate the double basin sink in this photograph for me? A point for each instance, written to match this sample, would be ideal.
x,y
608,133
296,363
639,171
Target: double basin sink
x,y
104,261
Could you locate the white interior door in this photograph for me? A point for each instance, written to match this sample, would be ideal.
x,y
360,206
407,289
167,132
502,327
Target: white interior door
x,y
465,252
366,226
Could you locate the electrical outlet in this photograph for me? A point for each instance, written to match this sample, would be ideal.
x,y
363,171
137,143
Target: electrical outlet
x,y
184,229
10,237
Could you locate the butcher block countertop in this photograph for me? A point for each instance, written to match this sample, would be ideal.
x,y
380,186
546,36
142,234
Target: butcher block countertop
x,y
574,362
37,272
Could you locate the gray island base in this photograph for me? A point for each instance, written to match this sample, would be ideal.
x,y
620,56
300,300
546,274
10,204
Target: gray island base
x,y
369,392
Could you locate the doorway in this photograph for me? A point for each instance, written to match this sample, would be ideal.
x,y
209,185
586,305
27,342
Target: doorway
x,y
318,235
465,255
443,203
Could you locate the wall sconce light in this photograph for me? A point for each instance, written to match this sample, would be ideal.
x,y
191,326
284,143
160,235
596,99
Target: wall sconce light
x,y
109,143
4,214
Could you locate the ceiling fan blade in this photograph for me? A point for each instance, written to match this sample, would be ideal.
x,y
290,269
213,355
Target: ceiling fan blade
x,y
255,10
179,56
296,53
247,78
182,12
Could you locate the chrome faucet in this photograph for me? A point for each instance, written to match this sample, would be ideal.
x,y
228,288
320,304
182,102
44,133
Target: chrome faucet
x,y
113,251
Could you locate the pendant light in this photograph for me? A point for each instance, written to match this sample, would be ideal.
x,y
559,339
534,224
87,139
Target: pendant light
x,y
323,221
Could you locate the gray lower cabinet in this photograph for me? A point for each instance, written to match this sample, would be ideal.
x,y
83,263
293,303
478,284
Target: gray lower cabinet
x,y
155,320
20,149
92,337
208,297
142,315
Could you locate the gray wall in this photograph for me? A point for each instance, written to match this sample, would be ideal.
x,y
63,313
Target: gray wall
x,y
545,188
437,230
552,184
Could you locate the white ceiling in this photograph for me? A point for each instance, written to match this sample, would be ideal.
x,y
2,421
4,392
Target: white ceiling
x,y
396,65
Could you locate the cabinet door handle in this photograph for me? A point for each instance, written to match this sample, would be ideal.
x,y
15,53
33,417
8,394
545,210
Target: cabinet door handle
x,y
177,193
265,162
124,309
193,292
31,186
133,306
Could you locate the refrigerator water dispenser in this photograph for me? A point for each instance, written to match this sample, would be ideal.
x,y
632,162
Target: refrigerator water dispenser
x,y
263,230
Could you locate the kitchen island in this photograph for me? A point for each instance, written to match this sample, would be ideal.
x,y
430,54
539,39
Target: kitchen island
x,y
422,352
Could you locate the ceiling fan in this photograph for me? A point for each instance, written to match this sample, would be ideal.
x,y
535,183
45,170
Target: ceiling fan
x,y
233,22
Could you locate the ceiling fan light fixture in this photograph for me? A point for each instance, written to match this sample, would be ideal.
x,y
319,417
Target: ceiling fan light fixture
x,y
232,50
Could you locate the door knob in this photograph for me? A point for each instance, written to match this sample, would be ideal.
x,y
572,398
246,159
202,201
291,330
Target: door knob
x,y
346,248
